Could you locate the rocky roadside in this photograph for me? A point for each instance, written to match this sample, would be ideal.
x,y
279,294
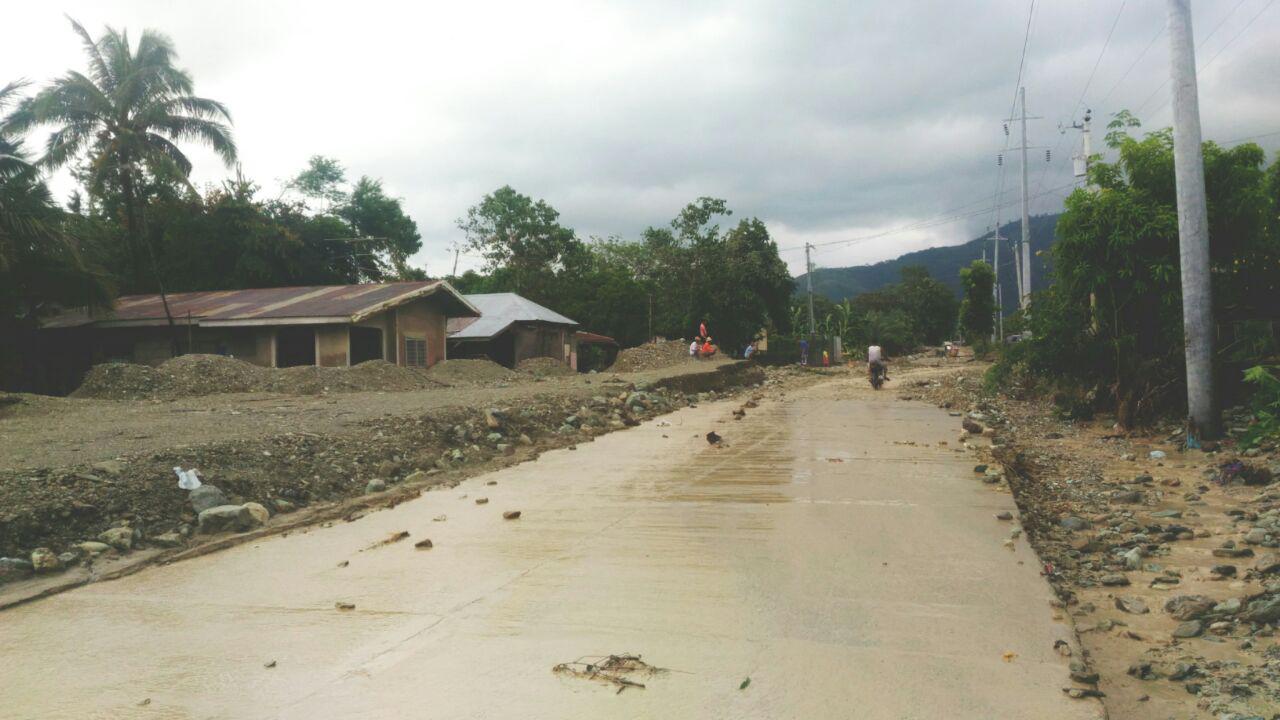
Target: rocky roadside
x,y
62,526
1164,559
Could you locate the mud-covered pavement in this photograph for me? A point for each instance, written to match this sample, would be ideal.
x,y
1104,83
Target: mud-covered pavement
x,y
842,572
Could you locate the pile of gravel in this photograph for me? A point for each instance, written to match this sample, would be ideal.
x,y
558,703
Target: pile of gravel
x,y
545,367
652,356
470,372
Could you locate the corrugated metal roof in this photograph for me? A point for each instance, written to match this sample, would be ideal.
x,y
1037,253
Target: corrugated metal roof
x,y
497,312
264,305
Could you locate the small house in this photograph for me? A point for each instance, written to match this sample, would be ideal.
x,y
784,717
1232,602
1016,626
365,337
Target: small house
x,y
512,329
330,325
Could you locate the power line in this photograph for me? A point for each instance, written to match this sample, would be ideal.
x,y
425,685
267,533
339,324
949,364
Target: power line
x,y
1022,61
1217,54
1145,50
1199,46
920,225
1057,147
1250,137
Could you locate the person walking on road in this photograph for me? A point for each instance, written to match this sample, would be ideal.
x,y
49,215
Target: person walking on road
x,y
804,351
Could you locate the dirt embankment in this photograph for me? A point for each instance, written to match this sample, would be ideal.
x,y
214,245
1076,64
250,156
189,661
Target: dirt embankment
x,y
62,508
1165,558
200,375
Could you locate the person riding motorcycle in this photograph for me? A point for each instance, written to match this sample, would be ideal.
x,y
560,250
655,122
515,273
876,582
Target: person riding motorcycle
x,y
876,365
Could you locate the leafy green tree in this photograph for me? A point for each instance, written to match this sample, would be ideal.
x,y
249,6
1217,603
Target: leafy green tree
x,y
127,117
323,180
1110,326
978,307
930,304
393,235
743,286
516,232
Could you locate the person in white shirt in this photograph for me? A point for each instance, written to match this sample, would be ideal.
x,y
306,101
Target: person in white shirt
x,y
693,348
875,360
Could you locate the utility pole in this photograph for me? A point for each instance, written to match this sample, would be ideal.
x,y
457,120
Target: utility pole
x,y
997,326
1193,225
456,251
1025,299
808,277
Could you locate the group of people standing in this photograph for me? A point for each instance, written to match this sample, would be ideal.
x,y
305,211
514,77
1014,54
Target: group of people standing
x,y
701,347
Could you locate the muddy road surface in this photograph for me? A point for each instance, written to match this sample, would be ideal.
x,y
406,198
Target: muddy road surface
x,y
813,565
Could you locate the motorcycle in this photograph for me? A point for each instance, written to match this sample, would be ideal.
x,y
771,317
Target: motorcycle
x,y
878,375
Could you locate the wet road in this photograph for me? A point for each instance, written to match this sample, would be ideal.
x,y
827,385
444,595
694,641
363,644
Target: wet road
x,y
845,574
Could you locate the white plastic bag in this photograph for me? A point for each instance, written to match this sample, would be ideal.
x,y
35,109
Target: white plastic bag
x,y
187,479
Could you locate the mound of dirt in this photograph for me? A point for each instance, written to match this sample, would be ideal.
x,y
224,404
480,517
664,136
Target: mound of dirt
x,y
545,367
118,381
198,375
195,375
464,372
652,356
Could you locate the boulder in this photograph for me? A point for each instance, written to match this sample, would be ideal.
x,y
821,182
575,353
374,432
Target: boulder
x,y
284,506
258,512
375,485
1189,629
205,497
225,517
1189,607
45,560
120,538
1132,605
1114,580
1074,523
109,467
1267,564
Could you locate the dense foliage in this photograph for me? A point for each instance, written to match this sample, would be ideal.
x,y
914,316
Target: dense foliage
x,y
978,305
664,284
1109,329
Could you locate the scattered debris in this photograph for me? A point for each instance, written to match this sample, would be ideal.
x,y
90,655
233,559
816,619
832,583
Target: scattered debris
x,y
269,664
482,501
344,605
511,515
613,669
713,438
424,544
744,684
394,537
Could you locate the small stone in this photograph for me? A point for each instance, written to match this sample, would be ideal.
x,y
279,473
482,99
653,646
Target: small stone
x,y
494,437
1074,523
1267,564
1132,605
375,485
259,513
92,548
423,544
1189,629
1169,514
1228,607
1189,607
1157,455
269,664
1114,580
344,605
1225,571
120,538
283,506
482,501
167,540
1133,558
44,560
1256,536
1006,515
511,515
979,469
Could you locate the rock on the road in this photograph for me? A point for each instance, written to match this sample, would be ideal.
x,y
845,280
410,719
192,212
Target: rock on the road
x,y
120,538
45,560
260,514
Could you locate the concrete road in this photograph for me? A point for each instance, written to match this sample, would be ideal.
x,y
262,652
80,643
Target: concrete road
x,y
846,574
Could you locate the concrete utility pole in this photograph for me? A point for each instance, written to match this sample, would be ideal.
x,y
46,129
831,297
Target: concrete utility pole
x,y
1025,298
808,277
997,324
1193,223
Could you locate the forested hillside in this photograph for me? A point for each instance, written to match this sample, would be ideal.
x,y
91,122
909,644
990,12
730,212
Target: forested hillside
x,y
943,263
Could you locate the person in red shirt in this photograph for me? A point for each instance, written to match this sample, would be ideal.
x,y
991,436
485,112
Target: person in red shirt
x,y
702,329
708,349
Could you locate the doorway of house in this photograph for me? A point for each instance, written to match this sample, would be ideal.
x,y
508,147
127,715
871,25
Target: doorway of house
x,y
366,344
295,346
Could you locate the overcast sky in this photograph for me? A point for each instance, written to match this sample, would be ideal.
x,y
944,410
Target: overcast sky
x,y
830,121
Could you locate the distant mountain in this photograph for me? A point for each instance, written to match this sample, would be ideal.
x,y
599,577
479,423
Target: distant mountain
x,y
944,264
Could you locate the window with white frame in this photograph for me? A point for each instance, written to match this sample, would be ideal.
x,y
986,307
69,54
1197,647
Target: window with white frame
x,y
415,351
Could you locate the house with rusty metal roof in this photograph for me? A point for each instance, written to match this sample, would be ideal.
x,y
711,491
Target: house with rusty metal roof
x,y
332,325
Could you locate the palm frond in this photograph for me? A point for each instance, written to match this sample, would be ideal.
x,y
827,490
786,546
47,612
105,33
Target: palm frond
x,y
209,132
98,66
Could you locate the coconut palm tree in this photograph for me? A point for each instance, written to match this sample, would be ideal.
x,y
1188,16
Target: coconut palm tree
x,y
40,264
126,117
